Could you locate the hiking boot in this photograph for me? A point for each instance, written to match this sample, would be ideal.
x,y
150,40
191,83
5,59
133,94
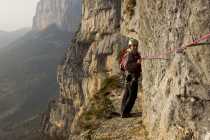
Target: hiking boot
x,y
125,115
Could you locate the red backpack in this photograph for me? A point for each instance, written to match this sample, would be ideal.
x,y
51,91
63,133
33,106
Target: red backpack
x,y
122,59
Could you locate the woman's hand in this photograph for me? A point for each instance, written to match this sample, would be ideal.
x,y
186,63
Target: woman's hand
x,y
139,61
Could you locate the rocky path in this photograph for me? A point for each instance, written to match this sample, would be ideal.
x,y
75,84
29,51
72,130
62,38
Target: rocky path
x,y
121,129
117,128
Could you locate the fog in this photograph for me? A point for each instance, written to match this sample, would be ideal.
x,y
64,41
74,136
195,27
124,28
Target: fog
x,y
16,14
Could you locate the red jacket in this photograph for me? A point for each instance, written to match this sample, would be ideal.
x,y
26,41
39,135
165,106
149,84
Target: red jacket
x,y
131,64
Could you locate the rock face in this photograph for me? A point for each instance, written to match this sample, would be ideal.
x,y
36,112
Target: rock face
x,y
175,98
91,59
58,12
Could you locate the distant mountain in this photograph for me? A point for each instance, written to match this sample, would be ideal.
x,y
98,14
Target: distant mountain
x,y
8,37
66,14
28,77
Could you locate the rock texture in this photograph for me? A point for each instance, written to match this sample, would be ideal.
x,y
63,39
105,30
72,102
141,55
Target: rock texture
x,y
175,98
63,13
88,62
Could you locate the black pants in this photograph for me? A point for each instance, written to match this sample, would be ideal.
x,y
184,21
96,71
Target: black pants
x,y
130,95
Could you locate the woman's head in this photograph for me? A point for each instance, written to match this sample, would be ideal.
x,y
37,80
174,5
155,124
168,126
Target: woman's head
x,y
133,44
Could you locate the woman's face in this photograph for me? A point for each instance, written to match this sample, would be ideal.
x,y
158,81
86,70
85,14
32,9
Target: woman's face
x,y
134,48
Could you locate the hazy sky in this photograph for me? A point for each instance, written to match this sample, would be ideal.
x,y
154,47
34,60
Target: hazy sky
x,y
16,14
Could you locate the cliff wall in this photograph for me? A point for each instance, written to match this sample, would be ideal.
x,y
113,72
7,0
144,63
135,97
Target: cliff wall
x,y
175,94
65,14
175,91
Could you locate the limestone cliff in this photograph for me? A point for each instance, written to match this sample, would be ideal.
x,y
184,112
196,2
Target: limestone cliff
x,y
63,13
175,97
91,59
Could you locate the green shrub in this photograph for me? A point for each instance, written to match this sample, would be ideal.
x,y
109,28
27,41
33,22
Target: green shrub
x,y
99,106
110,83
